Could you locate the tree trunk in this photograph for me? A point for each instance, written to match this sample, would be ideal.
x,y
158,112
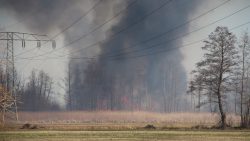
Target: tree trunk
x,y
69,88
242,86
111,101
222,114
199,100
3,116
132,97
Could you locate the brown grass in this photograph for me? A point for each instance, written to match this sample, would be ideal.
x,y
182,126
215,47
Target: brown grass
x,y
118,125
163,119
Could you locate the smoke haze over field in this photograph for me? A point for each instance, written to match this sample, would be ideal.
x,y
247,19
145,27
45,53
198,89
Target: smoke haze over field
x,y
138,81
125,74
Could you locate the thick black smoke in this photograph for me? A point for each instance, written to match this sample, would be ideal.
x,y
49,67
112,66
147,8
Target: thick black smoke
x,y
130,82
126,81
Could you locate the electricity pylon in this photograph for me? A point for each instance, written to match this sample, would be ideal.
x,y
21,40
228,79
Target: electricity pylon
x,y
10,38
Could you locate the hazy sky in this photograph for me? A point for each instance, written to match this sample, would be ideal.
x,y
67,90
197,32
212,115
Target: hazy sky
x,y
56,66
193,53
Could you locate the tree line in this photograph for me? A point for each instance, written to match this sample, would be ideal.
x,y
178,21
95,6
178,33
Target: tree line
x,y
94,87
223,75
38,93
34,95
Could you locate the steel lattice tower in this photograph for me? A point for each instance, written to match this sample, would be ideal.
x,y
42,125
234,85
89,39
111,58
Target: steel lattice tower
x,y
10,38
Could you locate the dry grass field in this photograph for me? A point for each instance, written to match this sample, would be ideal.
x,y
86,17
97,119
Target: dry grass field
x,y
125,126
177,120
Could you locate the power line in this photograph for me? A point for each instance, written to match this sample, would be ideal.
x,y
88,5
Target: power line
x,y
178,26
178,37
152,53
69,26
112,36
169,49
175,38
22,20
77,20
10,38
65,29
161,34
55,36
109,20
172,29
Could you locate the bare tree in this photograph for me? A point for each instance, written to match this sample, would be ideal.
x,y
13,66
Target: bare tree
x,y
196,88
66,86
6,102
37,93
236,88
165,90
216,69
190,91
69,88
244,46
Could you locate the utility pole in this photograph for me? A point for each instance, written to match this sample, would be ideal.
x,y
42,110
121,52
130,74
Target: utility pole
x,y
10,38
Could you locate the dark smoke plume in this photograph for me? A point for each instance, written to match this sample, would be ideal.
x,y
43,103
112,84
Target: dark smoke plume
x,y
125,82
137,84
